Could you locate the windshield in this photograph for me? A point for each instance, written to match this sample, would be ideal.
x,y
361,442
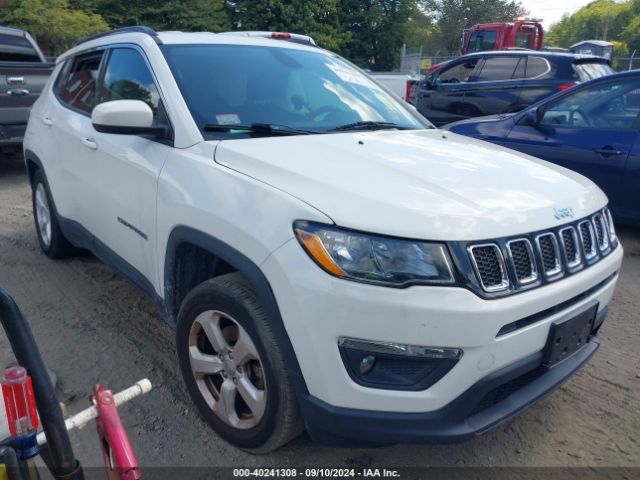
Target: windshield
x,y
306,90
589,71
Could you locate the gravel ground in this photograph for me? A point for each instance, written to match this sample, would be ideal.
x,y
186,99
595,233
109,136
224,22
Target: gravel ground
x,y
92,326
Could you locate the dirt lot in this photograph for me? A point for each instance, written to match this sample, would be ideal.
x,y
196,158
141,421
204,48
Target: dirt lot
x,y
93,326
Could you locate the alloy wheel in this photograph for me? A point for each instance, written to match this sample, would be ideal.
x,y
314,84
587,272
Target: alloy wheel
x,y
228,369
43,215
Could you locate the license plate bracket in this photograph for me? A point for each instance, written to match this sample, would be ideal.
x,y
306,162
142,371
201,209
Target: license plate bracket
x,y
568,336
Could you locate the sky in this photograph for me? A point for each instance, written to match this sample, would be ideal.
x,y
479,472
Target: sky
x,y
551,11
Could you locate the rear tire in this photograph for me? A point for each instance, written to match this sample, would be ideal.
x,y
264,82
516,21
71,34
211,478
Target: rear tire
x,y
233,366
52,241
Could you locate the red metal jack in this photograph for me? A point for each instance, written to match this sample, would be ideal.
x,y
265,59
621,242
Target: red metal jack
x,y
119,459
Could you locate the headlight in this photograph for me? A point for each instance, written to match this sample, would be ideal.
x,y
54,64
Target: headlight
x,y
373,258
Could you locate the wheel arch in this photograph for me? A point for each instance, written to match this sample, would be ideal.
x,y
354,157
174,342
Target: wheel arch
x,y
32,163
239,262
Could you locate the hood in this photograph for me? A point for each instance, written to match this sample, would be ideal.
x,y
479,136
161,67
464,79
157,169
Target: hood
x,y
424,184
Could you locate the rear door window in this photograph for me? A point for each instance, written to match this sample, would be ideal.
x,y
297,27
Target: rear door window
x,y
17,49
521,68
79,89
498,68
536,67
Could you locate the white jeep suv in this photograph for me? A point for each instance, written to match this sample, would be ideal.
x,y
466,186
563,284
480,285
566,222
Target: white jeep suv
x,y
328,258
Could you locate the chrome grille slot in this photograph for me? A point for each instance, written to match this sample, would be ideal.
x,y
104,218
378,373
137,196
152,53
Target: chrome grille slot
x,y
523,261
587,239
505,266
570,247
602,235
489,265
549,254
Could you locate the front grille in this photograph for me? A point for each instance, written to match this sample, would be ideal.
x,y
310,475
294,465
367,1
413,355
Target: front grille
x,y
523,261
586,237
489,265
569,238
602,235
549,253
506,265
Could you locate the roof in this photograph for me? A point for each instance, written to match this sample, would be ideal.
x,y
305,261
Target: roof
x,y
599,43
538,53
12,31
146,36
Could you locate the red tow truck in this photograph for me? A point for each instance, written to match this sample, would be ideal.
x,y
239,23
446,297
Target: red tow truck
x,y
523,33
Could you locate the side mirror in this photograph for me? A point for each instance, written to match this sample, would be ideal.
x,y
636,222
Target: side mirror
x,y
125,117
532,116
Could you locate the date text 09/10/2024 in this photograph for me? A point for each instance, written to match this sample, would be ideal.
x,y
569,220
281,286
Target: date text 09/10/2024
x,y
316,472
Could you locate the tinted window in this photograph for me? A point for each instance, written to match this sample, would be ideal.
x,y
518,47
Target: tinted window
x,y
79,89
536,66
302,88
17,49
459,72
498,68
127,77
481,41
589,71
608,106
523,40
520,68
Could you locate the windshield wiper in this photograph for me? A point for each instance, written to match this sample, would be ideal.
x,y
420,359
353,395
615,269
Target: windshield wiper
x,y
265,128
367,125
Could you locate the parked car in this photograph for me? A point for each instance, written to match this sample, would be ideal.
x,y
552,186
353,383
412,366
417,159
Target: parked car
x,y
592,129
404,85
23,72
489,83
329,259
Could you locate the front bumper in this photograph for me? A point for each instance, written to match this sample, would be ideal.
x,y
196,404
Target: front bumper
x,y
317,309
491,401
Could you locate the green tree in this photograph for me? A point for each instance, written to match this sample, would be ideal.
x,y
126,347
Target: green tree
x,y
378,30
54,23
319,19
453,16
423,32
185,15
600,20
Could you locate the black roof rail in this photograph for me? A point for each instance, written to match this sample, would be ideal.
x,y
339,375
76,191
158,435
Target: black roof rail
x,y
134,29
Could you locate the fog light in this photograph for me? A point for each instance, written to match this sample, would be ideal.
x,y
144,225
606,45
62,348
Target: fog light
x,y
366,364
396,366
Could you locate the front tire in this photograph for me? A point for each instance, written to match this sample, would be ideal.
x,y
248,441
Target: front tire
x,y
233,366
52,241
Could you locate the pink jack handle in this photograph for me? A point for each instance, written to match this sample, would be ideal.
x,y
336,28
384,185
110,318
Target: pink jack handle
x,y
119,459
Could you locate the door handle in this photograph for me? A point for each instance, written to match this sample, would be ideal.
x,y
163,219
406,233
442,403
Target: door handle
x,y
18,92
47,121
90,143
608,150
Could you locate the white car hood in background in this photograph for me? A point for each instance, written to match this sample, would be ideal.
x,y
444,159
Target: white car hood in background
x,y
426,184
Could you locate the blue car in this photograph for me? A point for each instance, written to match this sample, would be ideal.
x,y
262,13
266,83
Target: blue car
x,y
593,129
